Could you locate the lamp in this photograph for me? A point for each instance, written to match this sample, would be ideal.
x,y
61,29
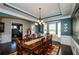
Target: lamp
x,y
39,21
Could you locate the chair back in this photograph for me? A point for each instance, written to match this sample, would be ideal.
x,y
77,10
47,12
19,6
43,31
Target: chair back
x,y
27,37
21,49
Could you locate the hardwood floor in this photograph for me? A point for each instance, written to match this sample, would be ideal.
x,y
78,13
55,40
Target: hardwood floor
x,y
10,47
7,48
66,50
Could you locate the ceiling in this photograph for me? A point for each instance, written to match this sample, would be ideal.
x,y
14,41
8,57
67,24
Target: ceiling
x,y
48,10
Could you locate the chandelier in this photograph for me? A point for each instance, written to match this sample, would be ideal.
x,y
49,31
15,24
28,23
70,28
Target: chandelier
x,y
39,21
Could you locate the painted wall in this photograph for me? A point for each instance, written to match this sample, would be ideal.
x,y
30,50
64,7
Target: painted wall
x,y
0,33
67,21
66,36
6,35
3,14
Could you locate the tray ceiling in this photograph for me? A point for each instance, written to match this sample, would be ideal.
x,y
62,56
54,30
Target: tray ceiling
x,y
48,9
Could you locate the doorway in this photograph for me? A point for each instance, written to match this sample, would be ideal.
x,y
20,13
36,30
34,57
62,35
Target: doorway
x,y
17,31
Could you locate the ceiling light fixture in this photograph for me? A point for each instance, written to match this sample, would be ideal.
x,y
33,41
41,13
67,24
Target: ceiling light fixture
x,y
39,21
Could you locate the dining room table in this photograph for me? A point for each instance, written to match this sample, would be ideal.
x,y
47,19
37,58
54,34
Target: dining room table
x,y
34,43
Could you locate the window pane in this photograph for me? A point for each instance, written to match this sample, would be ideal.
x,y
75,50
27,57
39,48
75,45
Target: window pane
x,y
45,28
59,29
52,28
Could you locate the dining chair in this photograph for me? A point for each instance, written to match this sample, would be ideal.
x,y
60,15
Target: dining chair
x,y
21,50
39,49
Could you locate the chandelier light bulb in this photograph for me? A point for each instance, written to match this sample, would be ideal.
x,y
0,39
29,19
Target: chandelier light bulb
x,y
36,24
42,21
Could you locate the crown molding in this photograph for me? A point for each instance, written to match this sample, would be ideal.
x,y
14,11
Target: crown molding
x,y
57,19
18,9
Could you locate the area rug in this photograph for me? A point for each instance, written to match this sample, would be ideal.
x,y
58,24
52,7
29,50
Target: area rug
x,y
54,50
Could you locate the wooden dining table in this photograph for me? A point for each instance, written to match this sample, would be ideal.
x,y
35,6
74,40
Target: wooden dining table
x,y
35,44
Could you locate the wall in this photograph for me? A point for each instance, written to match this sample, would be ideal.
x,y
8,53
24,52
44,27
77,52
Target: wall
x,y
66,36
6,35
3,14
0,33
75,47
68,21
